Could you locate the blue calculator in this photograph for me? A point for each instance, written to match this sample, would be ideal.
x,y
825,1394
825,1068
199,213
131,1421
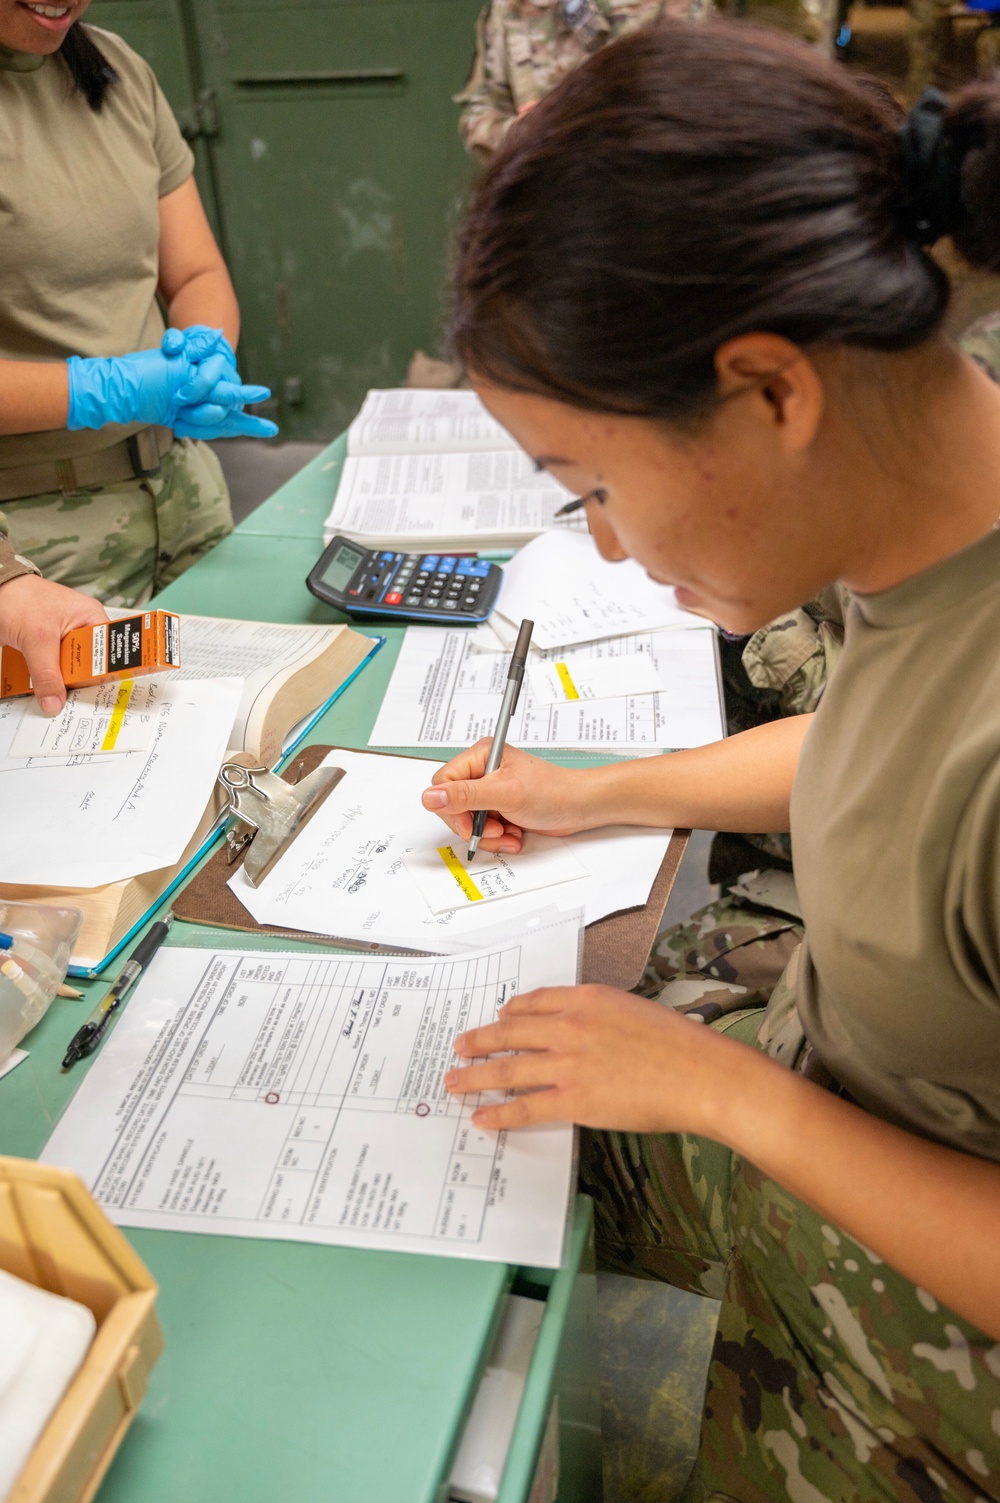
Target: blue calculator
x,y
406,586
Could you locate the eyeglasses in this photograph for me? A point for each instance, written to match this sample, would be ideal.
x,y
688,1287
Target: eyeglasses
x,y
578,501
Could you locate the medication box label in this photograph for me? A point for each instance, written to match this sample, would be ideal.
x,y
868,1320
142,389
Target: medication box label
x,y
124,645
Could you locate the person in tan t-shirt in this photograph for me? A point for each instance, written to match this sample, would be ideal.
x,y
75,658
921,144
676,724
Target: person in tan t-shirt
x,y
788,414
106,485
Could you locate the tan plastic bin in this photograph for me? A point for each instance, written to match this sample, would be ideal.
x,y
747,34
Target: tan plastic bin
x,y
53,1234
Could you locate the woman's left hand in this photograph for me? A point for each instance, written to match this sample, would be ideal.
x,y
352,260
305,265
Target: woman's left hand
x,y
603,1058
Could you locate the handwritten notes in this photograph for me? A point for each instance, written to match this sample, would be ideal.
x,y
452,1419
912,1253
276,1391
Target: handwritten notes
x,y
447,879
119,716
82,821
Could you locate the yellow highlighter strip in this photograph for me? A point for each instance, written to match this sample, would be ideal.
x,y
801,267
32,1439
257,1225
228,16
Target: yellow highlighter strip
x,y
118,714
572,692
460,874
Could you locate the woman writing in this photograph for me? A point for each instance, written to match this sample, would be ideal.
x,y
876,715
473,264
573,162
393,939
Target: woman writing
x,y
105,485
695,286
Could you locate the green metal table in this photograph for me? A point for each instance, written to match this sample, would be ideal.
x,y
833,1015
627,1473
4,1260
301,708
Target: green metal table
x,y
302,1372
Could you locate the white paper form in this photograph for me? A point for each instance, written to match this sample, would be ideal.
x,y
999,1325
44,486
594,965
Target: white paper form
x,y
408,420
447,879
473,499
554,681
572,594
118,716
84,821
344,873
300,1097
445,691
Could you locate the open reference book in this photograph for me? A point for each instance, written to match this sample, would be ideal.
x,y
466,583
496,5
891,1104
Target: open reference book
x,y
110,834
433,471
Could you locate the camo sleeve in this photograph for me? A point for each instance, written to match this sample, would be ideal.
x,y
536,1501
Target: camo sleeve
x,y
796,654
488,108
12,565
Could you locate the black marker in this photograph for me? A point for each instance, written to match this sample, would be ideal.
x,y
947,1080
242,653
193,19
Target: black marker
x,y
87,1038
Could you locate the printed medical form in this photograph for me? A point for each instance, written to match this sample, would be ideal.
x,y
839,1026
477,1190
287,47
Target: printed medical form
x,y
300,1096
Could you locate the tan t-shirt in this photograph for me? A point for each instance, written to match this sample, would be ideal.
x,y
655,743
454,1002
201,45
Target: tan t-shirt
x,y
79,231
896,834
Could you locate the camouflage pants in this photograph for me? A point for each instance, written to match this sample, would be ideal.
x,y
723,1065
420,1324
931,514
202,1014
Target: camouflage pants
x,y
833,1379
728,956
122,543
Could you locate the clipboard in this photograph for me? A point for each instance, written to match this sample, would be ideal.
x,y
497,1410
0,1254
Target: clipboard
x,y
615,948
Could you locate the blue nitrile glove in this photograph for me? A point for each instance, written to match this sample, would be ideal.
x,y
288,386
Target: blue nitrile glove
x,y
219,416
207,420
150,387
197,342
144,387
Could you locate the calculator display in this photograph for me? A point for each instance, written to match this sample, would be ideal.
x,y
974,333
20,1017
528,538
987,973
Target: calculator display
x,y
338,574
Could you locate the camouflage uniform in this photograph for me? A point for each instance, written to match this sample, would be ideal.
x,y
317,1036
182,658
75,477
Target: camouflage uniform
x,y
123,543
833,1378
815,21
745,939
928,36
981,340
524,47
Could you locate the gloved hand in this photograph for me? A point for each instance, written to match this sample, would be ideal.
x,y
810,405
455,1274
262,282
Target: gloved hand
x,y
219,416
146,387
208,420
197,342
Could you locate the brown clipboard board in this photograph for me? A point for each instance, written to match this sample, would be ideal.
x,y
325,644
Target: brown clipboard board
x,y
615,948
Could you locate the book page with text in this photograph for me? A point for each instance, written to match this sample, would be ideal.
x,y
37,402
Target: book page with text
x,y
412,421
450,499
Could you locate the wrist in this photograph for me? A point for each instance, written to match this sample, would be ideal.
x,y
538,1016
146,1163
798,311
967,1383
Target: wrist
x,y
601,796
756,1107
88,392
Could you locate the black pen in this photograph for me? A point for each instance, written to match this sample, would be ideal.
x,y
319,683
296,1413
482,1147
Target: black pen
x,y
87,1038
569,507
515,677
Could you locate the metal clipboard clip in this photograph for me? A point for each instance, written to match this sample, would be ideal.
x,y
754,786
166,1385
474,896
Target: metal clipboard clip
x,y
266,813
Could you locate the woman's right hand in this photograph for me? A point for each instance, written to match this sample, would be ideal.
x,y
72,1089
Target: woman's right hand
x,y
524,793
35,615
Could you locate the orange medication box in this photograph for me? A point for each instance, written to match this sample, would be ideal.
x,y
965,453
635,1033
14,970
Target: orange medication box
x,y
129,648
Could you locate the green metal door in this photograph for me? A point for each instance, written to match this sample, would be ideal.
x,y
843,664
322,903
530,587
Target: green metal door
x,y
334,153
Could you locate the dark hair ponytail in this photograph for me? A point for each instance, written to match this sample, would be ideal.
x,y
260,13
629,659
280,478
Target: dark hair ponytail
x,y
92,74
691,183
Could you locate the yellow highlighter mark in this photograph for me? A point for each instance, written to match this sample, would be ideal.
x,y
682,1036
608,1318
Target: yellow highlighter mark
x,y
118,714
565,678
460,874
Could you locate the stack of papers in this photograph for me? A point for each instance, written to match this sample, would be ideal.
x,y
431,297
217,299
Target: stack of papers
x,y
432,471
572,594
615,664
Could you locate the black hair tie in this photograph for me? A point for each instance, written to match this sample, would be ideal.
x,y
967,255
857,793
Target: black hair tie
x,y
931,163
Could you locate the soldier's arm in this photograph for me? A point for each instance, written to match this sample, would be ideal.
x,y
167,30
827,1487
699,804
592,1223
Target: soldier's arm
x,y
743,783
608,1059
34,395
194,282
488,108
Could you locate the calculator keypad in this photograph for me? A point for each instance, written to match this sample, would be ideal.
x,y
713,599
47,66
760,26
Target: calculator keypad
x,y
427,582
